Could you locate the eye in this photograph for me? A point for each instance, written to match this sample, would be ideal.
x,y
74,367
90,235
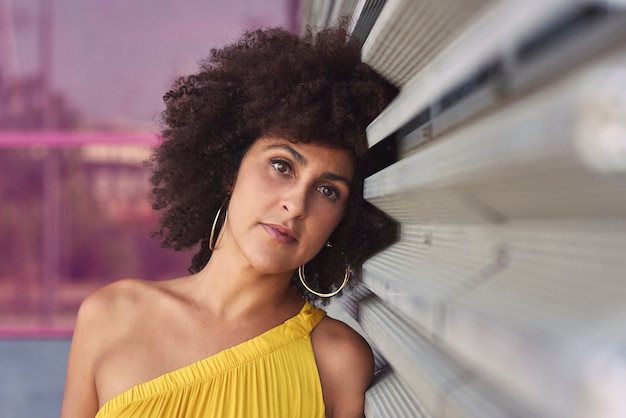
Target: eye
x,y
282,166
329,192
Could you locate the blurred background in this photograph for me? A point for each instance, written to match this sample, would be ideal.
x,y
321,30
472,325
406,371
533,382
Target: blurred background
x,y
81,87
503,160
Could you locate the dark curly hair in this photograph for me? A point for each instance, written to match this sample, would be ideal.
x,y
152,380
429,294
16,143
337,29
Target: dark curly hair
x,y
312,88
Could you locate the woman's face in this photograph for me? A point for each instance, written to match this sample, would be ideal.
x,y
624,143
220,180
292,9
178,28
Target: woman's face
x,y
287,200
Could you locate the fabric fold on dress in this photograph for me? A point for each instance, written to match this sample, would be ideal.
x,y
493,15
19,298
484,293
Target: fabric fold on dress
x,y
271,375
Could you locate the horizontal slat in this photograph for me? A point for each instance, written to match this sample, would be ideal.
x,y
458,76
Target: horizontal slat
x,y
585,35
543,369
560,299
365,15
513,241
552,263
474,399
486,39
530,323
439,385
389,397
504,296
426,370
409,34
430,265
546,254
557,154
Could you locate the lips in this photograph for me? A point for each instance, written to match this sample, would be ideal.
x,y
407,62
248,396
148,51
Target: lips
x,y
280,233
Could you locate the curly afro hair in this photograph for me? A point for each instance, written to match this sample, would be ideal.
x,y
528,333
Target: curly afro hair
x,y
312,88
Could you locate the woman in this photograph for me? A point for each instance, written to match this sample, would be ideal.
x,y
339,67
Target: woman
x,y
261,164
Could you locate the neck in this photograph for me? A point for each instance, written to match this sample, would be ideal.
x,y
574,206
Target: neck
x,y
231,288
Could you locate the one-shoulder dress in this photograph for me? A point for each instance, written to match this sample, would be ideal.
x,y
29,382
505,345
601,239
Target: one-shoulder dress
x,y
272,375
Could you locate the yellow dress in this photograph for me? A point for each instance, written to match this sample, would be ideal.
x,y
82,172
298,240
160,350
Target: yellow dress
x,y
273,375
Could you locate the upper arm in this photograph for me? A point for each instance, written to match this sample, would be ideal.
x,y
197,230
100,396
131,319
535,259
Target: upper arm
x,y
346,366
97,322
80,398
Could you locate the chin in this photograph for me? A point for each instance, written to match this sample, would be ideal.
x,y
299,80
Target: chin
x,y
272,268
268,260
269,266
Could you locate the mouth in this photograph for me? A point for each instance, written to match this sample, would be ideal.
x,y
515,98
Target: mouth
x,y
280,233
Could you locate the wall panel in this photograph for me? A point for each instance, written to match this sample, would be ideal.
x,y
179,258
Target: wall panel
x,y
504,294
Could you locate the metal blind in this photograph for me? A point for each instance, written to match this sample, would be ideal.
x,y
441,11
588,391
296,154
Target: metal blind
x,y
504,296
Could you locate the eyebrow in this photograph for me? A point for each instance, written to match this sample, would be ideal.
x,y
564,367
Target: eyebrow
x,y
336,177
292,151
300,158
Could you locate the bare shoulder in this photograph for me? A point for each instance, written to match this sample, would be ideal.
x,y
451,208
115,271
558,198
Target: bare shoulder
x,y
117,295
346,366
116,311
113,302
100,318
96,317
339,338
109,312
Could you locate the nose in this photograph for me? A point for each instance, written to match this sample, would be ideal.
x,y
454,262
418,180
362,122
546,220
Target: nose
x,y
295,201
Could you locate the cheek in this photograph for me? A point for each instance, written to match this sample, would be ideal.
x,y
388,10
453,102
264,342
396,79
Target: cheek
x,y
250,185
330,218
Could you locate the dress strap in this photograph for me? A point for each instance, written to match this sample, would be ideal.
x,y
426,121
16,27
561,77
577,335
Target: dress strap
x,y
310,316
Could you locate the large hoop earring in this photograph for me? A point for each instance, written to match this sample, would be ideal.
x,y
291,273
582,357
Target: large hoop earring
x,y
212,237
346,276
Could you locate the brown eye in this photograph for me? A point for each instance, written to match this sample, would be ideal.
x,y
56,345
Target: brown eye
x,y
281,166
329,192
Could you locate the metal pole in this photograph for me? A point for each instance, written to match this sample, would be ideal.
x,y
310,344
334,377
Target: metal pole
x,y
51,209
45,62
8,53
51,229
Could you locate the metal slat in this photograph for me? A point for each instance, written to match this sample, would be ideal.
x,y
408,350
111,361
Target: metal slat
x,y
365,15
426,370
431,264
543,320
540,190
550,373
408,34
531,324
389,397
484,40
437,384
504,295
535,328
478,400
555,154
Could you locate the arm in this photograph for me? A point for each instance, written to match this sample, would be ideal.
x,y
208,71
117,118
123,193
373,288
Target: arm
x,y
346,366
80,398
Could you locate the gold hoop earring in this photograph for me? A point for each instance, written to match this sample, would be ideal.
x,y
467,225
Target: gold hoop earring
x,y
217,216
302,277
